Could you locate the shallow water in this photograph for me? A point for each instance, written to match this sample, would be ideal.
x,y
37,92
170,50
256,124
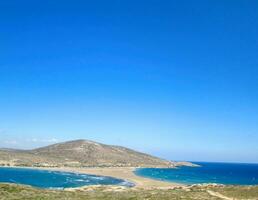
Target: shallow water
x,y
222,173
55,179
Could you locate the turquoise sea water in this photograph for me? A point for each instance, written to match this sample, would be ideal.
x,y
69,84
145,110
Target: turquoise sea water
x,y
223,173
55,179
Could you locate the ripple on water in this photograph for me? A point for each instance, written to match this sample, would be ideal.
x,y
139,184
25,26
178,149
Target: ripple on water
x,y
55,179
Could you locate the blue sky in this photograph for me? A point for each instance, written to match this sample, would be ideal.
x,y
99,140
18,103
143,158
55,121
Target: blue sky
x,y
178,79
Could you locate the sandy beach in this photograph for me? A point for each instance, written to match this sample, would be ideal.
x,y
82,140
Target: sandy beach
x,y
125,173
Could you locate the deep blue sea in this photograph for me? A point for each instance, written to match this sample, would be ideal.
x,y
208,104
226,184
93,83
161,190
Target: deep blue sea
x,y
223,173
55,179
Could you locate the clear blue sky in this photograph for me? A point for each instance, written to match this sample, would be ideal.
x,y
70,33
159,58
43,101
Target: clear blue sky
x,y
178,79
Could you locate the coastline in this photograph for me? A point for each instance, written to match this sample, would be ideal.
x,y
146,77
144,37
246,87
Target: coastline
x,y
144,187
125,173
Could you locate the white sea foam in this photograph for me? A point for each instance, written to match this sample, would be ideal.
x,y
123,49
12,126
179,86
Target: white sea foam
x,y
98,178
81,180
56,188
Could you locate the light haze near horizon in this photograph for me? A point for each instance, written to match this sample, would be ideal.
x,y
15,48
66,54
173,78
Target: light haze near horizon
x,y
177,79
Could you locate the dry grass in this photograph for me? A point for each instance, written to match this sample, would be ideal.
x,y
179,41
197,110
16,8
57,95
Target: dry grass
x,y
239,192
18,192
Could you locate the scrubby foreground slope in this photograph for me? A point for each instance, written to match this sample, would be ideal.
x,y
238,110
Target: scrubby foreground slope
x,y
18,192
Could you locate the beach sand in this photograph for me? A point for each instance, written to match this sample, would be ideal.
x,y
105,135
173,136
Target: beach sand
x,y
125,173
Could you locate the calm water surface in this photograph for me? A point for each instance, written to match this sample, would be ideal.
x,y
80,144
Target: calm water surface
x,y
55,179
224,173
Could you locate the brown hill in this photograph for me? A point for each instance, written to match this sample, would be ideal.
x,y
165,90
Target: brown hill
x,y
81,153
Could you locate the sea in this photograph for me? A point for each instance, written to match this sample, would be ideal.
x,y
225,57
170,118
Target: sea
x,y
220,173
55,179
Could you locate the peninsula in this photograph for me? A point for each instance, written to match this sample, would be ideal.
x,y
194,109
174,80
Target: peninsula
x,y
82,153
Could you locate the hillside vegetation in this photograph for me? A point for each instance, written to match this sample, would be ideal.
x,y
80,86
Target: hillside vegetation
x,y
82,153
18,192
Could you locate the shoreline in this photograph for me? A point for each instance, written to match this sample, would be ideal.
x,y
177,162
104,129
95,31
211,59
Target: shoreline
x,y
124,173
127,174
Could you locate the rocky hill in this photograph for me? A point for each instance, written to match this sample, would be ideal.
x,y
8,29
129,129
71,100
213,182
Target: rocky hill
x,y
81,153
